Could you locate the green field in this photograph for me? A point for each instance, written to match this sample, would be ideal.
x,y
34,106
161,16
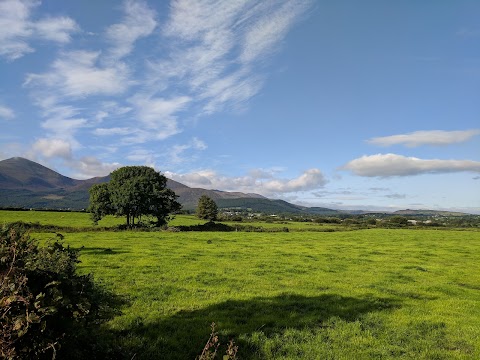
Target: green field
x,y
366,294
82,220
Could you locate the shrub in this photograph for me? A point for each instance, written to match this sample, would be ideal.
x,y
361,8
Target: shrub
x,y
46,309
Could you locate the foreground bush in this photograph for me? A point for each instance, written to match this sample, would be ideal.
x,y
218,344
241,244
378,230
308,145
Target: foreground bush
x,y
47,311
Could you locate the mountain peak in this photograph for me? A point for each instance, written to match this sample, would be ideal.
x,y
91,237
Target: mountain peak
x,y
18,172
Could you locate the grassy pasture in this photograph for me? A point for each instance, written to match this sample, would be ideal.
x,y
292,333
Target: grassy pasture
x,y
82,220
369,294
70,219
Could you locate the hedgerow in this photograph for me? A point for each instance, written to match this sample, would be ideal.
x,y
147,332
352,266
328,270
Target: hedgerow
x,y
47,310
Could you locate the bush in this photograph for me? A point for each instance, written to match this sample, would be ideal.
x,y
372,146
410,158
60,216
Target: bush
x,y
46,309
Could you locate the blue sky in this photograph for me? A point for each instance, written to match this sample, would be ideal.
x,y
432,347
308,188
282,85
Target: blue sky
x,y
342,104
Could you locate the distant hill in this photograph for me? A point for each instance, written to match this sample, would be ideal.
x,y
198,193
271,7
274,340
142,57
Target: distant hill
x,y
428,213
272,206
27,184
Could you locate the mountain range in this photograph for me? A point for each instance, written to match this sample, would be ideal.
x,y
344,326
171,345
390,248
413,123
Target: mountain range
x,y
27,184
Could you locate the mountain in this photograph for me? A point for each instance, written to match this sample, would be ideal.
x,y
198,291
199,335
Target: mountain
x,y
19,173
27,184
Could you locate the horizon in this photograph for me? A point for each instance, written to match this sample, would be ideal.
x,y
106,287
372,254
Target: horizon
x,y
365,210
353,106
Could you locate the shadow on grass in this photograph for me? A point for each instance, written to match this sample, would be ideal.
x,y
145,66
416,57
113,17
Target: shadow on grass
x,y
100,251
93,340
183,335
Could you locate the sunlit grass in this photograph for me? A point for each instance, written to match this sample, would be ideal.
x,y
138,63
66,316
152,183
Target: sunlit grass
x,y
63,219
370,294
83,220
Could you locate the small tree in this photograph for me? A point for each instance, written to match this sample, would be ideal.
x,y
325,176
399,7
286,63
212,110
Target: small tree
x,y
207,208
133,192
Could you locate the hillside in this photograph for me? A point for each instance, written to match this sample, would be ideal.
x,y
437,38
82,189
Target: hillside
x,y
409,212
272,206
27,184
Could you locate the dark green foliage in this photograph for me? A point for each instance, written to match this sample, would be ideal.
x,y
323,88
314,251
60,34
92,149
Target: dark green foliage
x,y
46,309
207,208
398,220
133,192
100,203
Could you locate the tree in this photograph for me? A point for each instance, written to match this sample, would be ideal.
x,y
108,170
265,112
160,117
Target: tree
x,y
133,192
207,208
398,220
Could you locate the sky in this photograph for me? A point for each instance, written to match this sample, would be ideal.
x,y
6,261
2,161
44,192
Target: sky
x,y
342,104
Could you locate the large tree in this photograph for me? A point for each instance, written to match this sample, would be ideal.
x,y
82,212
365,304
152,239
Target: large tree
x,y
133,192
207,208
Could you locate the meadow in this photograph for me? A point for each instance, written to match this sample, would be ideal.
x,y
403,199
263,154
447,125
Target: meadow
x,y
361,294
81,220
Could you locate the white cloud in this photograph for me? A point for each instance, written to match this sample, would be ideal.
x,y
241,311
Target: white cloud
x,y
112,131
432,137
61,120
89,166
114,108
6,113
158,114
264,35
388,165
310,180
144,156
17,28
52,148
396,196
209,57
175,154
76,74
218,45
198,144
56,29
139,21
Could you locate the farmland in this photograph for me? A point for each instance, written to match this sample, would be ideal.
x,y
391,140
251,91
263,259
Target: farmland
x,y
363,294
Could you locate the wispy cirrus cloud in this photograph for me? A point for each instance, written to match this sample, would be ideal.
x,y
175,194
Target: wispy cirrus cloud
x,y
139,21
419,138
158,113
309,180
389,165
176,154
57,29
207,56
112,131
6,113
18,29
217,48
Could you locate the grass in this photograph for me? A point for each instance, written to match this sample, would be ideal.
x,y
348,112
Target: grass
x,y
369,294
82,220
62,219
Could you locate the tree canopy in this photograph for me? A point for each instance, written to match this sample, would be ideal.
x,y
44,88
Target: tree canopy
x,y
133,191
207,208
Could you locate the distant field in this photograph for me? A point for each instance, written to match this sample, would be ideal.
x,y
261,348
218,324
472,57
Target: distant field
x,y
77,219
73,219
82,220
369,294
